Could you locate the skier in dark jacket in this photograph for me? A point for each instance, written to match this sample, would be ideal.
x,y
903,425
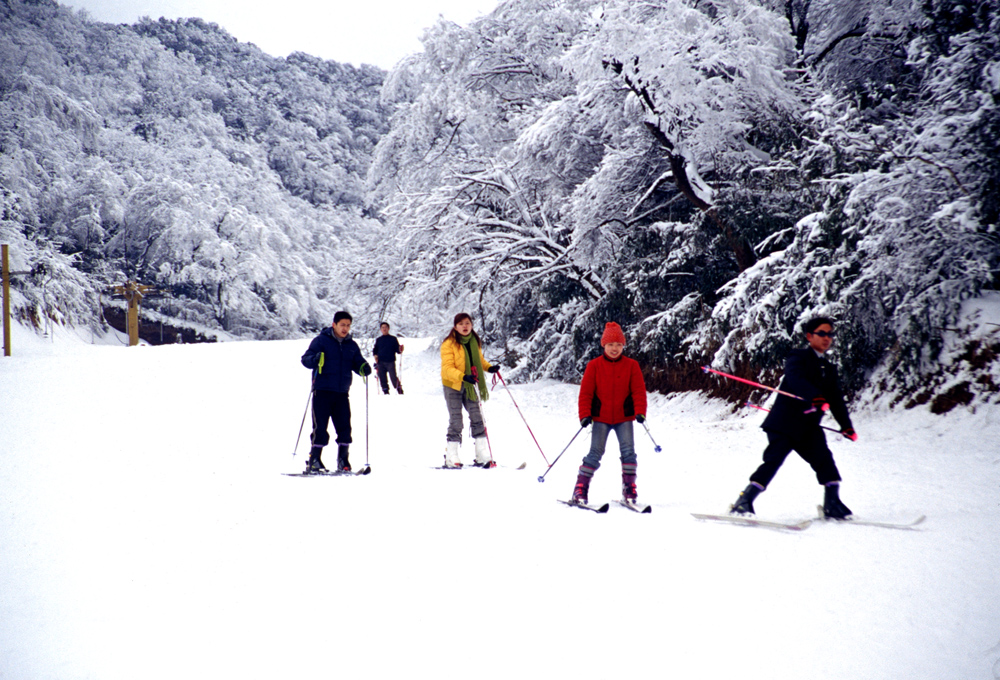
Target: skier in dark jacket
x,y
794,424
332,356
385,351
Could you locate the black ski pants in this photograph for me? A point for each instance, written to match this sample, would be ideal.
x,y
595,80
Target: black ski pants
x,y
387,370
327,406
811,446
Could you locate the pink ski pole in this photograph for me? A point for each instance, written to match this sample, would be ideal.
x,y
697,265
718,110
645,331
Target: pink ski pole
x,y
504,383
706,369
767,410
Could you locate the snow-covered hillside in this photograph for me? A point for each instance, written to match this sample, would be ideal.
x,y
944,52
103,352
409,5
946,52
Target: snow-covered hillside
x,y
146,531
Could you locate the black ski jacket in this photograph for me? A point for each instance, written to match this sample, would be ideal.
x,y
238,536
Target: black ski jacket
x,y
386,348
808,376
332,361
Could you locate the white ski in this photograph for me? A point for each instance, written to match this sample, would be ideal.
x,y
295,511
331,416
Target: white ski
x,y
751,521
636,507
874,523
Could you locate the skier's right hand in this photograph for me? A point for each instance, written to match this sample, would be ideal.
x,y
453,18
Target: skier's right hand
x,y
584,422
471,379
849,433
819,404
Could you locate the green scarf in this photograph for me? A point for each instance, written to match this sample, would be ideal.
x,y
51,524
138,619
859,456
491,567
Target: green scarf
x,y
473,357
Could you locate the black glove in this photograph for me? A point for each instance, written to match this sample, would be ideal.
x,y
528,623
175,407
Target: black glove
x,y
493,369
584,422
849,433
471,379
819,404
641,418
365,370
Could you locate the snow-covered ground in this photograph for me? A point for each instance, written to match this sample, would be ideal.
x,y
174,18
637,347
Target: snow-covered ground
x,y
146,532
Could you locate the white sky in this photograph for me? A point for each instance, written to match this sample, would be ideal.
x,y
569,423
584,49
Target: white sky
x,y
379,32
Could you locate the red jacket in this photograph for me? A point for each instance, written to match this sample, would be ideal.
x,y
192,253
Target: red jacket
x,y
612,391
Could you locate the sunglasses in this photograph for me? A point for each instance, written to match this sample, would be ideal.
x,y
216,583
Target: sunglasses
x,y
823,334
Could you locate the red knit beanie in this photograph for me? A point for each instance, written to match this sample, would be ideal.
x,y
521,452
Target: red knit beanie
x,y
612,333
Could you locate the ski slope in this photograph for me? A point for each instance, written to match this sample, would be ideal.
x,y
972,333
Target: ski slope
x,y
146,531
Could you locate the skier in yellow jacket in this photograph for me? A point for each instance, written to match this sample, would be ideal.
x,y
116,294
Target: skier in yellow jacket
x,y
463,375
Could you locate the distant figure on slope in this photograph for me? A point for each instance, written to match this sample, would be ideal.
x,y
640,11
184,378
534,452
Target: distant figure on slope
x,y
332,355
385,351
794,425
463,374
612,395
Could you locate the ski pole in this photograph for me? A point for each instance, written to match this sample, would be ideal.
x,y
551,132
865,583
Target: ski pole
x,y
706,369
304,414
541,477
367,467
504,383
656,447
482,414
767,410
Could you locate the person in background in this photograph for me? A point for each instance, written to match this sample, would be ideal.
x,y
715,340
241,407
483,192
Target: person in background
x,y
385,350
612,395
463,371
794,425
332,356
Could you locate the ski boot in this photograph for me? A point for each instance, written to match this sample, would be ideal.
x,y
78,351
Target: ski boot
x,y
343,465
315,465
744,504
833,507
451,459
483,458
629,492
582,485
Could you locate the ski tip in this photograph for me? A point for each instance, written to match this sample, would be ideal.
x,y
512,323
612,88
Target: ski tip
x,y
604,508
522,466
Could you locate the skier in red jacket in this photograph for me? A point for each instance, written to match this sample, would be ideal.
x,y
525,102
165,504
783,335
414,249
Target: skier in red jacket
x,y
612,395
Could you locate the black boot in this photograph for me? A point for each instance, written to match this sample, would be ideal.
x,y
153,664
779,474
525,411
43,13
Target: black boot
x,y
744,504
315,464
342,463
833,508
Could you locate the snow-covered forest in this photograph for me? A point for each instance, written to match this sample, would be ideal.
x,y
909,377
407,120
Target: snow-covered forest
x,y
706,173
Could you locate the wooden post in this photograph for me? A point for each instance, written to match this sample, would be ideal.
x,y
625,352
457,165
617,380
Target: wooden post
x,y
133,320
6,301
133,292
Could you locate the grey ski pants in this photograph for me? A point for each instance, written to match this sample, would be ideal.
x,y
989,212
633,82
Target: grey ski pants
x,y
456,400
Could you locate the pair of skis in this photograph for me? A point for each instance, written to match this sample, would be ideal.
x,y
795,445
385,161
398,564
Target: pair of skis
x,y
478,467
603,508
331,473
750,520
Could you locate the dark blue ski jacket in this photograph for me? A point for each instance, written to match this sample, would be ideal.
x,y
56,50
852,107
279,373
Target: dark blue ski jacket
x,y
332,361
808,376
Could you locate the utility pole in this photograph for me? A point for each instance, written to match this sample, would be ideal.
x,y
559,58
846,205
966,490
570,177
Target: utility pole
x,y
6,301
5,274
133,292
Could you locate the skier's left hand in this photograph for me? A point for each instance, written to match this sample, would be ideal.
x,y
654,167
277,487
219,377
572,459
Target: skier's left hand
x,y
641,418
849,433
493,368
365,370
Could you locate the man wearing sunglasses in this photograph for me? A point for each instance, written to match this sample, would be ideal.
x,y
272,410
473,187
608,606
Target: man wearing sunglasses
x,y
794,424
